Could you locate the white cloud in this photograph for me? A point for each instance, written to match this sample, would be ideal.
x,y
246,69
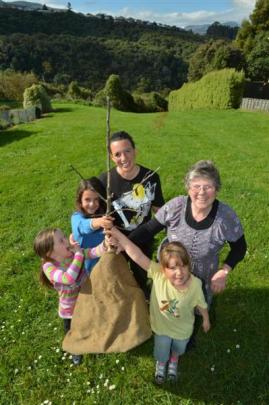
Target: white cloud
x,y
184,19
245,3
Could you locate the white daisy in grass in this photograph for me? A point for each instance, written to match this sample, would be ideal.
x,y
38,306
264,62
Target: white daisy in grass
x,y
237,346
117,361
228,351
112,387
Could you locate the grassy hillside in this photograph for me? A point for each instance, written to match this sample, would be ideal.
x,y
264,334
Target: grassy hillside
x,y
37,186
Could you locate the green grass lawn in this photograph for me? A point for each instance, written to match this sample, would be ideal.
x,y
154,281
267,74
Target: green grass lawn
x,y
37,186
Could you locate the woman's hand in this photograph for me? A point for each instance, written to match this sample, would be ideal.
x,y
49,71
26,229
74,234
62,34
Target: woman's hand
x,y
105,222
218,281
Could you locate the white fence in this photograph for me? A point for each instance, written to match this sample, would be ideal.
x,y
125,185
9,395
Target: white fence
x,y
255,104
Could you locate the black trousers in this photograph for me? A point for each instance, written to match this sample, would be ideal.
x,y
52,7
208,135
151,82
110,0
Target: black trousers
x,y
67,325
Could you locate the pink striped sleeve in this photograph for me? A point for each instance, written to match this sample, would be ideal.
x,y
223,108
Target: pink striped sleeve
x,y
92,253
69,276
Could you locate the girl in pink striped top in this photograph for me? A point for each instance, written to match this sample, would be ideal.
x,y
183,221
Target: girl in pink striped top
x,y
63,269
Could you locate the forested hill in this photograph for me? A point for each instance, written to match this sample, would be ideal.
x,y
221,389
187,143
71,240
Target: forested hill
x,y
64,46
67,22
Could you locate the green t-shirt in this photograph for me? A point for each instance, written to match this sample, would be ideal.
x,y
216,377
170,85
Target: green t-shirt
x,y
172,310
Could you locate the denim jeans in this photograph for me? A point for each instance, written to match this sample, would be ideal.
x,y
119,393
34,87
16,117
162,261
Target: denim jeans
x,y
164,346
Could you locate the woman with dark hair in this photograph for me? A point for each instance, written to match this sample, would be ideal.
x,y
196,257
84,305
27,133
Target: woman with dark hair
x,y
136,191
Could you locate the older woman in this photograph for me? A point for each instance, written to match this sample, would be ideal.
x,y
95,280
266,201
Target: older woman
x,y
203,224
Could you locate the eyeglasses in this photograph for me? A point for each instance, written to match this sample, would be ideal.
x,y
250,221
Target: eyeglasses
x,y
199,187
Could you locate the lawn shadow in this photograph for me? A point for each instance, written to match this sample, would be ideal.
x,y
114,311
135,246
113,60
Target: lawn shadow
x,y
62,110
230,365
13,135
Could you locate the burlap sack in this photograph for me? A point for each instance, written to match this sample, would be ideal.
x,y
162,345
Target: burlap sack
x,y
111,314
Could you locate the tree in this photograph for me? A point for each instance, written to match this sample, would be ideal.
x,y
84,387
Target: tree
x,y
260,16
252,39
258,58
215,55
218,30
69,6
259,21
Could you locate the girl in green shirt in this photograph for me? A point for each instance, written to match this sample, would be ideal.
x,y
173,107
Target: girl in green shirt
x,y
175,294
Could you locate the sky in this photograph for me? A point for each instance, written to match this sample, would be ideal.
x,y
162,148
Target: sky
x,y
180,13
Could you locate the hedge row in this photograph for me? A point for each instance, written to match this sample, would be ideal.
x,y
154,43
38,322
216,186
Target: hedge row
x,y
220,89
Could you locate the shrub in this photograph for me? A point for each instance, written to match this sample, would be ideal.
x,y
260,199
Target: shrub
x,y
4,107
4,124
36,96
219,90
73,91
120,99
13,84
76,92
100,99
150,102
55,90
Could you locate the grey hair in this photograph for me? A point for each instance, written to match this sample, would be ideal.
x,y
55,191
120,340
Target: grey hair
x,y
205,169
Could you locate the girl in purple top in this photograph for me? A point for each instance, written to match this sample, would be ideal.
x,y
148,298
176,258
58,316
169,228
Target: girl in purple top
x,y
63,269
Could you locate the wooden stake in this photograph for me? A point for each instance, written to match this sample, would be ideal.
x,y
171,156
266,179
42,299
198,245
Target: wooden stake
x,y
108,190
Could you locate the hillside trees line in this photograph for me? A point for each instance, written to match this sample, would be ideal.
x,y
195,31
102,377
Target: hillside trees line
x,y
77,24
90,61
67,46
